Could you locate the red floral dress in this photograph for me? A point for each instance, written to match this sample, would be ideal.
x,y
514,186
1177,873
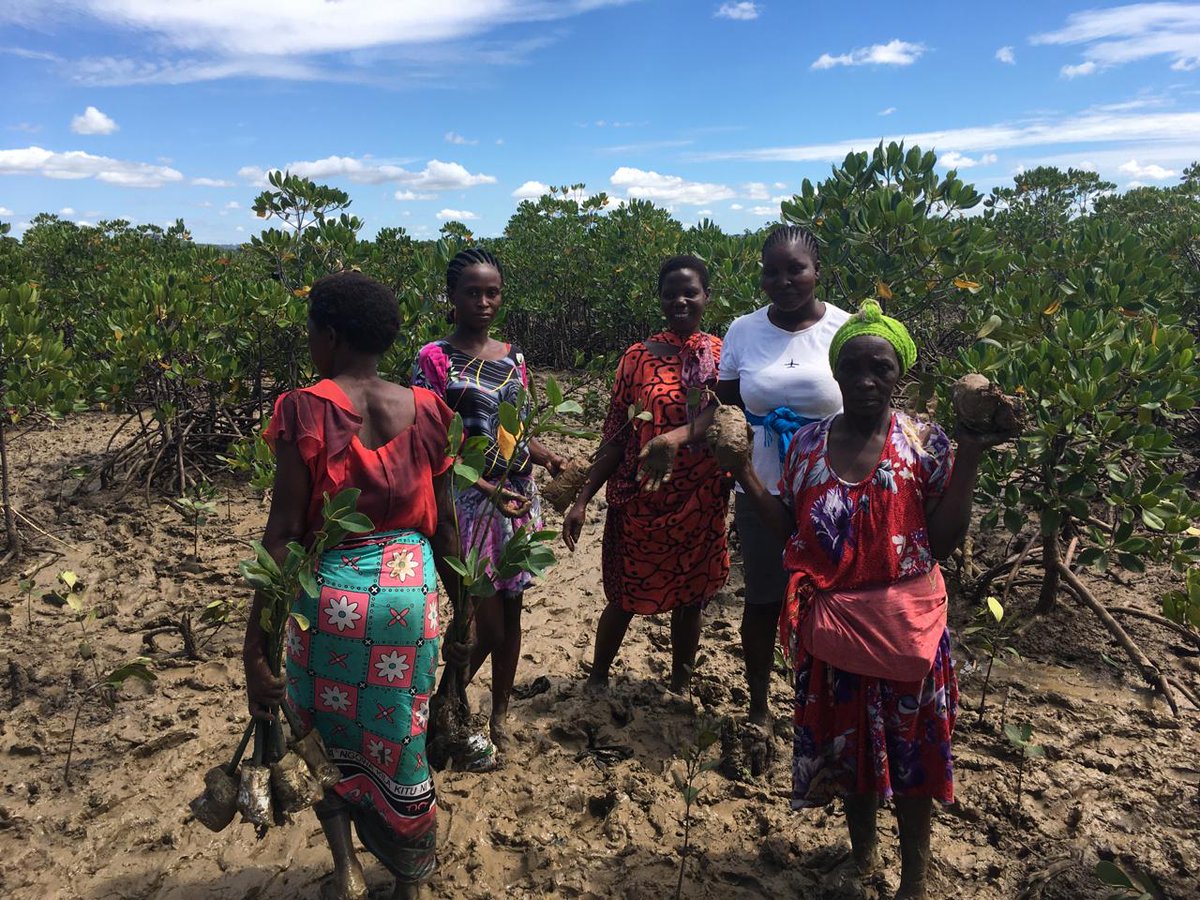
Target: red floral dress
x,y
665,548
856,734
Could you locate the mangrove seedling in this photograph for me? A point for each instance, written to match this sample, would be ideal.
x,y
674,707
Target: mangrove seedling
x,y
197,510
1124,886
106,689
994,634
1021,737
696,761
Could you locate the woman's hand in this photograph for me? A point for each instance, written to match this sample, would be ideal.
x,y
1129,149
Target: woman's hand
x,y
554,464
980,440
263,689
511,504
657,461
573,524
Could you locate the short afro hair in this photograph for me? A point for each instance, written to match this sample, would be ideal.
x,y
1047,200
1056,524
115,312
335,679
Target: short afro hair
x,y
684,261
358,308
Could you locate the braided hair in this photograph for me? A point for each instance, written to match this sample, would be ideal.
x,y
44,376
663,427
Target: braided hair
x,y
788,234
685,261
464,259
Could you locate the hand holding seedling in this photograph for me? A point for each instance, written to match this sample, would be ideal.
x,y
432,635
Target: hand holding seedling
x,y
510,504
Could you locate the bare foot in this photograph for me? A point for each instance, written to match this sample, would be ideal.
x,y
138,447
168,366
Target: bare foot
x,y
680,680
349,884
406,890
500,735
596,686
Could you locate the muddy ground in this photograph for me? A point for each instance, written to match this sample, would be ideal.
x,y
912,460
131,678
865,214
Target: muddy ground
x,y
1120,778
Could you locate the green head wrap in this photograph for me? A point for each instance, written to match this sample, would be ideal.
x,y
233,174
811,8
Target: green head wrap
x,y
870,320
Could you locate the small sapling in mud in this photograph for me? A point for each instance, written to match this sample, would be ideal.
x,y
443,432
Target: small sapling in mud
x,y
696,761
993,632
1021,737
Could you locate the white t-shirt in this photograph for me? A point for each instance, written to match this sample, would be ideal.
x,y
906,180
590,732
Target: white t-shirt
x,y
778,368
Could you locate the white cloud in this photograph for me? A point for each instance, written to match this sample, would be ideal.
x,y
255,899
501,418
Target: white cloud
x,y
233,204
1136,170
736,206
1174,130
5,211
740,12
463,215
76,164
1087,68
704,212
894,53
888,111
954,160
92,121
403,194
755,190
668,188
205,204
237,30
1134,184
453,137
1006,55
499,142
765,210
436,176
531,190
66,211
212,182
1124,34
27,127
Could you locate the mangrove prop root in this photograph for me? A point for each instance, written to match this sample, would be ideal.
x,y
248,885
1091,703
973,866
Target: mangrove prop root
x,y
1148,670
1180,630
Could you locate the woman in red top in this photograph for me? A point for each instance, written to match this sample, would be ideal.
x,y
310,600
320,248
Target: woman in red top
x,y
363,672
664,535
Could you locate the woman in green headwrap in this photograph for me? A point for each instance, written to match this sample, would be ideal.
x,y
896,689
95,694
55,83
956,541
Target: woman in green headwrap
x,y
869,500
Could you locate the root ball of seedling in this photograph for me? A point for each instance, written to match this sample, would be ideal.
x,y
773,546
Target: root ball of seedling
x,y
293,785
214,809
564,487
982,407
729,437
254,795
311,749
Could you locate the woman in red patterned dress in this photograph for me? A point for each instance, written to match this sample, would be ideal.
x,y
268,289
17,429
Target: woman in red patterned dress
x,y
869,500
664,534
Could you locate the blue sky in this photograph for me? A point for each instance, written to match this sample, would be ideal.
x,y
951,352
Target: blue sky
x,y
432,109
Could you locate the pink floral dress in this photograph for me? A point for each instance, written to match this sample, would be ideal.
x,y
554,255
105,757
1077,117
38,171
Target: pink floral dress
x,y
855,734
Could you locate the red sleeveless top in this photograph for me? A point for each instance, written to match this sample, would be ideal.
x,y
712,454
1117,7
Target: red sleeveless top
x,y
396,479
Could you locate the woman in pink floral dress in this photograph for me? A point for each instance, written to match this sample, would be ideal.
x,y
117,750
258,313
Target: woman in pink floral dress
x,y
870,499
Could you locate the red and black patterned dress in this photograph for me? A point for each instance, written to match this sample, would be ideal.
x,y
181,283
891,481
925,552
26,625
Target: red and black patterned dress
x,y
666,548
856,734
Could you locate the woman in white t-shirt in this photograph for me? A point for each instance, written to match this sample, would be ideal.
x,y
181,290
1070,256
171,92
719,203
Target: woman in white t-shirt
x,y
775,365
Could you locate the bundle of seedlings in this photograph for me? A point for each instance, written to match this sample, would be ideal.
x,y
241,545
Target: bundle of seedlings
x,y
282,776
